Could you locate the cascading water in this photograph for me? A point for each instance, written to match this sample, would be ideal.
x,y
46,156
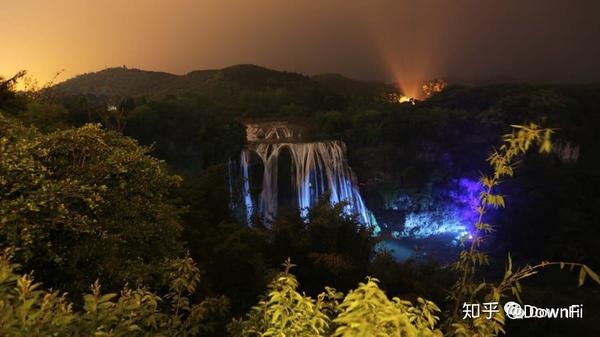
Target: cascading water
x,y
317,168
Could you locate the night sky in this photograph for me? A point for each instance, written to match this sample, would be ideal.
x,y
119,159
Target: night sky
x,y
390,40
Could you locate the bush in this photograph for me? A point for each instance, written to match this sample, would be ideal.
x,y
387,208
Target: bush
x,y
27,310
83,203
364,311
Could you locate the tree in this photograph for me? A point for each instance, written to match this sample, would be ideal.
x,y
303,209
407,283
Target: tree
x,y
434,86
332,247
8,98
84,203
115,117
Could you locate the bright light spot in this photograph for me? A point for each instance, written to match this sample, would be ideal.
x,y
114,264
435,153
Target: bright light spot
x,y
424,224
395,97
406,99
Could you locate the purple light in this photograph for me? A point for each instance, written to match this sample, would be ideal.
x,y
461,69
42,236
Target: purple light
x,y
465,199
455,212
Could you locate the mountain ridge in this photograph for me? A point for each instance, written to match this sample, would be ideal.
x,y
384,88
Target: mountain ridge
x,y
123,81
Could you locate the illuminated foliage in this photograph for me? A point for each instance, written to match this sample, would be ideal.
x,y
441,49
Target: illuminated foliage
x,y
365,311
284,312
433,87
28,310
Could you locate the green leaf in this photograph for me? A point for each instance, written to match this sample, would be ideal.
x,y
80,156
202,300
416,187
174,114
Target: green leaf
x,y
582,274
592,274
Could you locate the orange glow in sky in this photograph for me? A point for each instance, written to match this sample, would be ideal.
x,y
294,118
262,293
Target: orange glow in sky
x,y
406,41
407,54
180,36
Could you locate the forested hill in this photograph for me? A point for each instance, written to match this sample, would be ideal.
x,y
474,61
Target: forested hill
x,y
122,82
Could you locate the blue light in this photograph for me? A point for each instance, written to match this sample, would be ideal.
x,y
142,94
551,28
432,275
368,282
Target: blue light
x,y
249,206
455,214
425,224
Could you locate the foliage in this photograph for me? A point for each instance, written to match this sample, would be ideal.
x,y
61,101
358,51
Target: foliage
x,y
284,312
434,86
234,258
9,99
466,289
84,203
333,122
365,311
28,310
330,246
190,133
44,116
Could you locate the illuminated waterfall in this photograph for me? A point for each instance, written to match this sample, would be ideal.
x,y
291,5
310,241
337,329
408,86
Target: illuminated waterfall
x,y
317,168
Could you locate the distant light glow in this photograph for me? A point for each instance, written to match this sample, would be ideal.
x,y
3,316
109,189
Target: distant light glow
x,y
406,99
396,97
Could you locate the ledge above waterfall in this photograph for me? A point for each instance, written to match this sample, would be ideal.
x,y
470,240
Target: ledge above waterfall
x,y
274,132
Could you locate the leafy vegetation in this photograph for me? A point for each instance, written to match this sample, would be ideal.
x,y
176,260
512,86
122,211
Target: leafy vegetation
x,y
364,311
84,203
27,310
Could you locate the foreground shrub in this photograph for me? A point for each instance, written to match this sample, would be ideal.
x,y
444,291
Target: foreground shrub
x,y
364,311
27,310
84,203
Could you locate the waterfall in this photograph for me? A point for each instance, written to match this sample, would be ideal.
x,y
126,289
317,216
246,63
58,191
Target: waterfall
x,y
318,168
